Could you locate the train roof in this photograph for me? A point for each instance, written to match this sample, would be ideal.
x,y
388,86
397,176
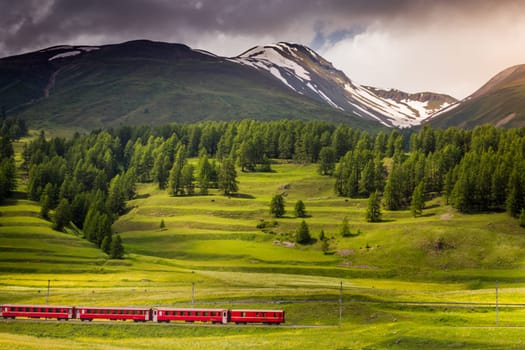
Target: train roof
x,y
256,310
32,305
113,307
186,309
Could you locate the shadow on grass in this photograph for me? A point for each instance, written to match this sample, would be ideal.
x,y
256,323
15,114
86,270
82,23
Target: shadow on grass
x,y
241,196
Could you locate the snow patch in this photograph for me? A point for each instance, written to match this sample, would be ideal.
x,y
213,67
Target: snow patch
x,y
204,52
88,48
272,56
66,54
62,47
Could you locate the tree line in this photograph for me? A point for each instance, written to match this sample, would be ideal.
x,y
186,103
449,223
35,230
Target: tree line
x,y
87,179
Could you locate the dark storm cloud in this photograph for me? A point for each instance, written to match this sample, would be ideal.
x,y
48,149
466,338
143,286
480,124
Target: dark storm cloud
x,y
32,24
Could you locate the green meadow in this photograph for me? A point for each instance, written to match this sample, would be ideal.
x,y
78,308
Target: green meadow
x,y
408,283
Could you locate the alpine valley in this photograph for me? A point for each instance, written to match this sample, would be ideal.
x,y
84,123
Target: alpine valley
x,y
140,82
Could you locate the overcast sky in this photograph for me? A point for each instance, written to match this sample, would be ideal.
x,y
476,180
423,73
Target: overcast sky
x,y
450,46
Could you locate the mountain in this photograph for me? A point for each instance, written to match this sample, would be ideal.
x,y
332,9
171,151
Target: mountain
x,y
141,81
307,73
500,102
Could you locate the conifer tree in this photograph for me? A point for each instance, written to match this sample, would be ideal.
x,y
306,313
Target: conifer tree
x,y
117,249
228,177
322,236
303,233
299,209
344,229
277,206
106,244
175,176
418,200
62,215
373,212
204,177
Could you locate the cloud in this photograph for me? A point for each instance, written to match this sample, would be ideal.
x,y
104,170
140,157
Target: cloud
x,y
454,52
446,45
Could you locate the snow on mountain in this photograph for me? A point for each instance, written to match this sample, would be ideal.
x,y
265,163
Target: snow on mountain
x,y
65,54
307,73
69,51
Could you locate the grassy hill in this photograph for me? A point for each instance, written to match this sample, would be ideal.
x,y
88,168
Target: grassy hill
x,y
213,241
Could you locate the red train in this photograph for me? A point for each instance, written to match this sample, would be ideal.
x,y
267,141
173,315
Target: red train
x,y
138,314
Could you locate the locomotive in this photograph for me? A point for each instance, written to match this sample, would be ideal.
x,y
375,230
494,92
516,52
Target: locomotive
x,y
142,314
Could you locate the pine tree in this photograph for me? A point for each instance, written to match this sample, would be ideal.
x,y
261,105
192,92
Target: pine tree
x,y
299,209
303,233
47,200
204,177
322,236
418,200
228,177
327,161
277,206
62,215
117,249
187,179
175,175
344,229
373,212
162,225
106,244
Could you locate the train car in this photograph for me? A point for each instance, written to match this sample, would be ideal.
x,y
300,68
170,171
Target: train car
x,y
90,313
163,314
38,311
257,316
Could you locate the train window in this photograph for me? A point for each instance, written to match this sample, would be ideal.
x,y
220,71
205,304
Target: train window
x,y
197,313
275,314
264,314
243,314
205,313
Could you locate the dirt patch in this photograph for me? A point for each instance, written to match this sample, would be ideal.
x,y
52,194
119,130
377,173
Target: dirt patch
x,y
506,120
345,252
446,216
285,244
349,264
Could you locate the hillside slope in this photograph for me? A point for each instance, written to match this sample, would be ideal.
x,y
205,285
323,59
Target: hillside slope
x,y
141,81
500,102
147,82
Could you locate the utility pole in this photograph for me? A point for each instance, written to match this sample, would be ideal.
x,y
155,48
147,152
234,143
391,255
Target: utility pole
x,y
497,320
47,295
192,293
341,303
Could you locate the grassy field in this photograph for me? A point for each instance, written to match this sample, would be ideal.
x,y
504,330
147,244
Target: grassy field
x,y
213,242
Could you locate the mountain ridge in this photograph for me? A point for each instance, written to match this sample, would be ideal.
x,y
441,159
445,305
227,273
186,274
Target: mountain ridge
x,y
500,102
